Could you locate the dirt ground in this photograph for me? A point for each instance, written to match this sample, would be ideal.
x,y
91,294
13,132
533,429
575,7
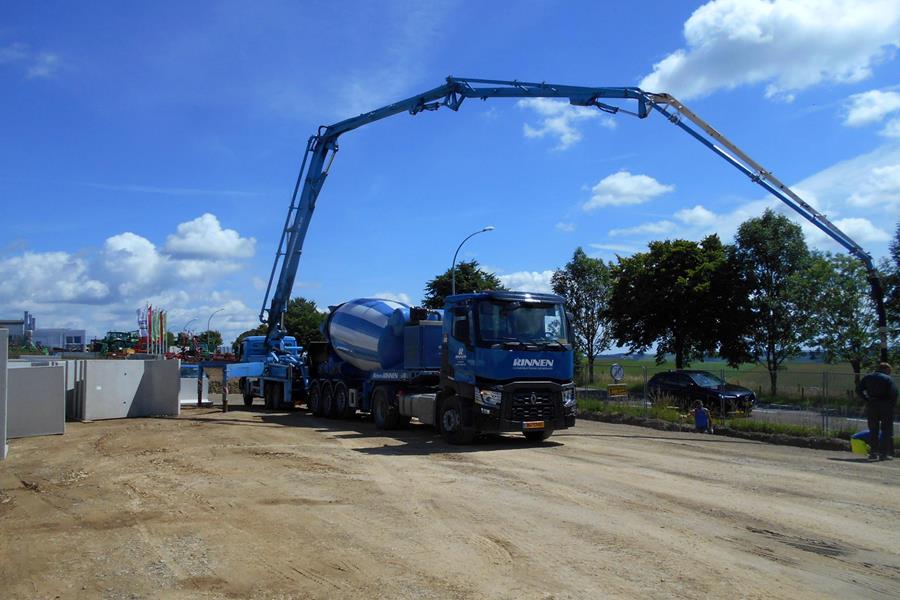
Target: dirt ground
x,y
283,505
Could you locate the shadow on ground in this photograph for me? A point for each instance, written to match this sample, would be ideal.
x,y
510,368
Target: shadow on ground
x,y
416,439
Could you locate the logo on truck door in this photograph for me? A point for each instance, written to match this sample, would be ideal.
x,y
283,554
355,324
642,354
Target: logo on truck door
x,y
532,363
461,356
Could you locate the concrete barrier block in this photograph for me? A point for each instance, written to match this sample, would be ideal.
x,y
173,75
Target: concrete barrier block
x,y
36,401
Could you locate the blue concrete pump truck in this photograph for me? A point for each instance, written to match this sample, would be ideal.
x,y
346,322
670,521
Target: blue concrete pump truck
x,y
495,361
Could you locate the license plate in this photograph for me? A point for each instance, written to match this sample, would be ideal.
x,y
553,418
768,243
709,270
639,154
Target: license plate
x,y
533,424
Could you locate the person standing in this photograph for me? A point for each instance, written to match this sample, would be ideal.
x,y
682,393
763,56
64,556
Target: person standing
x,y
880,393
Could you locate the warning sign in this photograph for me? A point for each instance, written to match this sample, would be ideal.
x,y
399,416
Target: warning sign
x,y
617,390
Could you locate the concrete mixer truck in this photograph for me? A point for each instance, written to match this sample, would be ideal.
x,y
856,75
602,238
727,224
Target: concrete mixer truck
x,y
490,362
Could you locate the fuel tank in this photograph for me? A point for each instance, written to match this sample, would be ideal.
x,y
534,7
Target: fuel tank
x,y
368,333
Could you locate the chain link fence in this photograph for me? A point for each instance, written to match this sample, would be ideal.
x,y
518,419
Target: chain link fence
x,y
805,402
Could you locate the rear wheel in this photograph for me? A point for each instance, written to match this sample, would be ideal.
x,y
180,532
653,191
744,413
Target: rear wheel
x,y
274,391
340,401
537,436
314,399
452,422
327,392
383,414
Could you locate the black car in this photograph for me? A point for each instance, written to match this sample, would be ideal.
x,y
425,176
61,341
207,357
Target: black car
x,y
680,388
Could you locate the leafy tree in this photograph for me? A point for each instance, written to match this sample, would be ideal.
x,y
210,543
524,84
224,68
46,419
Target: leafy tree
x,y
303,321
672,296
844,312
210,339
585,284
469,278
773,258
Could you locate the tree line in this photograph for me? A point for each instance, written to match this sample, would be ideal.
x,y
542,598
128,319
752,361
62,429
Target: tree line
x,y
765,299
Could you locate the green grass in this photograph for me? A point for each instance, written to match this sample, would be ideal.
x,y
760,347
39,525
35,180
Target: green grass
x,y
656,412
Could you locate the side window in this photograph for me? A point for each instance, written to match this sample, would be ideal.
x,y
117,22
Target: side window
x,y
682,381
460,325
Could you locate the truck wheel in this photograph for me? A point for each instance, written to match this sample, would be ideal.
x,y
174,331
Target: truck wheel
x,y
327,395
245,390
384,416
314,399
537,436
452,422
340,401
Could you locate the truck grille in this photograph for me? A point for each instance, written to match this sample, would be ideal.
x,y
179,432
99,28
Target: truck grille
x,y
532,405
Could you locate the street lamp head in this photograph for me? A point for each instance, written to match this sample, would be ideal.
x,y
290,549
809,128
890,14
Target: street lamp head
x,y
488,228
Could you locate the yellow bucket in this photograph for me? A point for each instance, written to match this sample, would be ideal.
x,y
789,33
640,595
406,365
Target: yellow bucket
x,y
858,446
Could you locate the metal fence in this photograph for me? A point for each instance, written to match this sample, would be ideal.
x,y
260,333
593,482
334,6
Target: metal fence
x,y
825,401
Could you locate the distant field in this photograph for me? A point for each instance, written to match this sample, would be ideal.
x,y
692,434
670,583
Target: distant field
x,y
800,382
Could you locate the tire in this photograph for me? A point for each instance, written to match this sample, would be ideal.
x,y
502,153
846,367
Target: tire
x,y
245,392
314,399
340,401
537,436
268,392
384,416
451,422
327,398
274,394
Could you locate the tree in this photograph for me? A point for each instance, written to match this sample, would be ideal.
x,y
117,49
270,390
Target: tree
x,y
303,321
211,339
673,296
773,258
585,283
469,278
844,312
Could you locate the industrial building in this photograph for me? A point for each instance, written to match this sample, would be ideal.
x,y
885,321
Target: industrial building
x,y
24,330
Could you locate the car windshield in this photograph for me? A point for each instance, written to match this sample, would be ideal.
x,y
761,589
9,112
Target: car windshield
x,y
707,380
521,322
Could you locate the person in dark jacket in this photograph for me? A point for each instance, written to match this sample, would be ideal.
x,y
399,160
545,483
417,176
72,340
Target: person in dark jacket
x,y
880,393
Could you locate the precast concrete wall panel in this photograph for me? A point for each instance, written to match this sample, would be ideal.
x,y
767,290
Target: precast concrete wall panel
x,y
36,401
115,389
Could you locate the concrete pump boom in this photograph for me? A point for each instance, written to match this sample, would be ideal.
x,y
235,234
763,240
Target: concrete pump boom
x,y
322,148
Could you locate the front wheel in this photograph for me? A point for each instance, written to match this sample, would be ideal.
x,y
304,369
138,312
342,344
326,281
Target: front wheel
x,y
383,414
245,391
451,420
537,436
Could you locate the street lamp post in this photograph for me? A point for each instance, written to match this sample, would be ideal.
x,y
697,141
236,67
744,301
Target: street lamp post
x,y
207,326
453,267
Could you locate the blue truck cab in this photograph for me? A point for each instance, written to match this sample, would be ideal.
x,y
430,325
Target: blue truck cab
x,y
507,365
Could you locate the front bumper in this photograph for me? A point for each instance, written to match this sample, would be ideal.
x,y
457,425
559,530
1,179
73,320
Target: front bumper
x,y
526,406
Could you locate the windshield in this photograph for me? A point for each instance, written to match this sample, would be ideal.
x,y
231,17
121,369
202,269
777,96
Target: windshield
x,y
521,322
707,380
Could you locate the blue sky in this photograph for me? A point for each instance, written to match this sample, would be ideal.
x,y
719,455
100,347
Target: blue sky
x,y
150,148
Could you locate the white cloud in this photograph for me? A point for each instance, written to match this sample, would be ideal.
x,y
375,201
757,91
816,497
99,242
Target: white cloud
x,y
37,65
395,296
100,290
880,186
623,188
868,186
204,238
789,44
54,277
653,228
871,107
558,119
891,129
528,281
565,226
617,248
698,215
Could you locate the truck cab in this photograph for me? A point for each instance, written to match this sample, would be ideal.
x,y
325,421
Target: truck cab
x,y
507,365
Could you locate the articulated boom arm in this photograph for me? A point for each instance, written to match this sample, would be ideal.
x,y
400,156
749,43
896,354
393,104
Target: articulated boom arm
x,y
322,147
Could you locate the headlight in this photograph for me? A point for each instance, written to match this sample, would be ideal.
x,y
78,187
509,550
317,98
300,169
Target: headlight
x,y
490,398
569,397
